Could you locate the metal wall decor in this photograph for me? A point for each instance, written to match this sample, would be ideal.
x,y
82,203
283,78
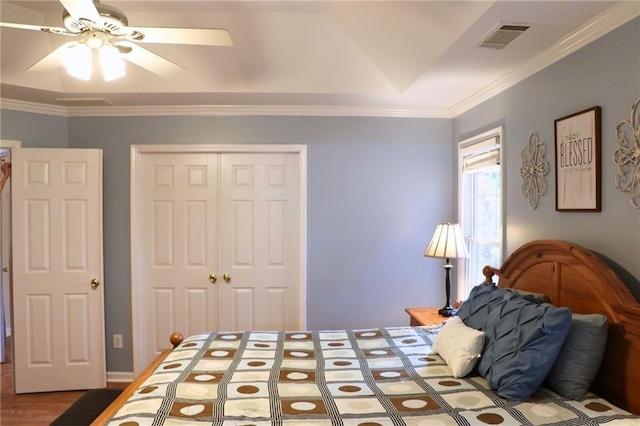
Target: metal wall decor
x,y
533,170
627,156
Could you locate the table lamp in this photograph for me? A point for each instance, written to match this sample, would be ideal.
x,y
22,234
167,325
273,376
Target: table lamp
x,y
447,243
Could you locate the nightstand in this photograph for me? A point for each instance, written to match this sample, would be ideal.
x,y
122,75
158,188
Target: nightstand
x,y
425,316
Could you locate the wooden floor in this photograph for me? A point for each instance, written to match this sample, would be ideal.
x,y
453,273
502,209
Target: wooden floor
x,y
35,409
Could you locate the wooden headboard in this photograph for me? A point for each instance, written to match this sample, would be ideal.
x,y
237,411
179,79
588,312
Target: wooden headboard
x,y
573,276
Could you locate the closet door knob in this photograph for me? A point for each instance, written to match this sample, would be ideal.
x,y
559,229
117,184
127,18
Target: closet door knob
x,y
213,278
5,269
95,283
226,277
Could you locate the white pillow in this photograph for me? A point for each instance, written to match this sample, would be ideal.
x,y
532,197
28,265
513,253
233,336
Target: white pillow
x,y
460,346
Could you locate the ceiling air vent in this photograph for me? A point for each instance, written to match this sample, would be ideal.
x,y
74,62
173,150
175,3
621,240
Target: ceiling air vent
x,y
503,36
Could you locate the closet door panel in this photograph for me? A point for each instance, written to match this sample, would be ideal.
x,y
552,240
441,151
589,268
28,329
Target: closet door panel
x,y
242,230
259,240
241,310
180,248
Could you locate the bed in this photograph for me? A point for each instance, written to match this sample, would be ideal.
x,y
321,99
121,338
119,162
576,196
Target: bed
x,y
391,376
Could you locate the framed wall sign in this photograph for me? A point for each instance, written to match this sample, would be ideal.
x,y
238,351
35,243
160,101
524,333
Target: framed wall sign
x,y
578,162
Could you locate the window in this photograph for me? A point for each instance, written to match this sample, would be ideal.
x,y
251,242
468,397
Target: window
x,y
480,206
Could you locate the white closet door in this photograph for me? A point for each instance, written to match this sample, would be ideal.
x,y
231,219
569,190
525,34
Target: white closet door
x,y
260,243
58,326
179,242
179,252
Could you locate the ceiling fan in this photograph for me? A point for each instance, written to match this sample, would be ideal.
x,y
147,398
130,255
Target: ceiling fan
x,y
95,25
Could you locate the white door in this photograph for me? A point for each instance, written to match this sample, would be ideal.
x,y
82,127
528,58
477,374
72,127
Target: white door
x,y
220,244
260,241
179,230
58,325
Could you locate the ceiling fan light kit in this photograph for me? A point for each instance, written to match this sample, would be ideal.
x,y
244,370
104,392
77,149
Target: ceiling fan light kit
x,y
111,62
105,29
78,60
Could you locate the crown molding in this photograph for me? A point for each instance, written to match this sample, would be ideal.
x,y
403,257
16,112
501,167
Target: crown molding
x,y
222,110
33,107
607,21
275,110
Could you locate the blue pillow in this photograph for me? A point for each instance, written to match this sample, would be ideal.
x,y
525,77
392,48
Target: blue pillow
x,y
481,301
534,297
522,341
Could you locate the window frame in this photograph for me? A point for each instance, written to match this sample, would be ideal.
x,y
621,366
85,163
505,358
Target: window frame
x,y
477,144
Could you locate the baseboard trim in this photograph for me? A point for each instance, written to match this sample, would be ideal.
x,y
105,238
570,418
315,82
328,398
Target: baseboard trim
x,y
119,377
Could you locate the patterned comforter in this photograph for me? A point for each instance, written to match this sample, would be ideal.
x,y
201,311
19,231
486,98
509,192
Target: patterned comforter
x,y
385,376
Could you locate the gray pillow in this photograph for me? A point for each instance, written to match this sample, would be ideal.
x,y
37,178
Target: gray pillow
x,y
579,360
522,341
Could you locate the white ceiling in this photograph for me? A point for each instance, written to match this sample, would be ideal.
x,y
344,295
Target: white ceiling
x,y
413,58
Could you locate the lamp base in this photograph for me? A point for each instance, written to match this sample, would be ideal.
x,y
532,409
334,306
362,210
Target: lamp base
x,y
447,311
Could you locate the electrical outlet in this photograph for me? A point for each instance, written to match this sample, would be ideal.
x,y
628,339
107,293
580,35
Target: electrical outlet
x,y
117,341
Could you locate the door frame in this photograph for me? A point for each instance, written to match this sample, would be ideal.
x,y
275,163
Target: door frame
x,y
5,287
137,151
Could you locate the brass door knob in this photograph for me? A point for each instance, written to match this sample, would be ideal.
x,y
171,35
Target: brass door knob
x,y
95,283
213,278
226,277
5,269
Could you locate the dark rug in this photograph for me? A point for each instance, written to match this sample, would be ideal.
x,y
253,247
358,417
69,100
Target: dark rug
x,y
87,408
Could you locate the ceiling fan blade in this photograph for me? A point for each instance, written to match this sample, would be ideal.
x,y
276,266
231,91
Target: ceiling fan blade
x,y
198,36
53,60
83,9
150,61
54,30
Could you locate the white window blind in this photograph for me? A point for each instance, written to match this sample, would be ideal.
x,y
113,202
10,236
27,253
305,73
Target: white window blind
x,y
480,161
480,155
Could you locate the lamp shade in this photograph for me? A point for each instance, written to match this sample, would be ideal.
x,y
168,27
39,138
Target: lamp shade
x,y
447,242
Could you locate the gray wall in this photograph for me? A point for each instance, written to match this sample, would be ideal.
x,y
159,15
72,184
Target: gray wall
x,y
604,73
34,130
376,189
